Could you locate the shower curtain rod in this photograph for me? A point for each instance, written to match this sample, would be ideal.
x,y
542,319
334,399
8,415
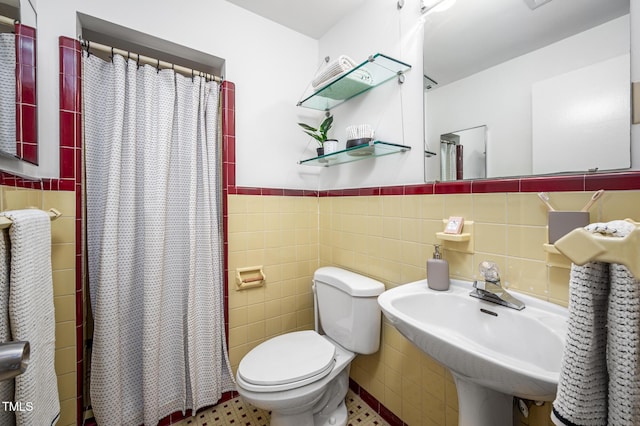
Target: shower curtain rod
x,y
91,45
8,21
5,222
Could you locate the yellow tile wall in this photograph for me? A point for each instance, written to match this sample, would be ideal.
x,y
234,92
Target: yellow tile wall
x,y
280,233
63,265
389,238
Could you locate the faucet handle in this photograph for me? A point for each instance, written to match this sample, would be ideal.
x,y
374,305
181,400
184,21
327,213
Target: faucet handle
x,y
489,271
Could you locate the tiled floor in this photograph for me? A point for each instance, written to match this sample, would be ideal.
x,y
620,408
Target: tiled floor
x,y
237,413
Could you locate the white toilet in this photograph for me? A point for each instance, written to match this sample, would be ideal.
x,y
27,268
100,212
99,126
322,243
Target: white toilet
x,y
303,376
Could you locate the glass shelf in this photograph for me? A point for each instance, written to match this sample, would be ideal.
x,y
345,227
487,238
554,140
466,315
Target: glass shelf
x,y
356,153
373,72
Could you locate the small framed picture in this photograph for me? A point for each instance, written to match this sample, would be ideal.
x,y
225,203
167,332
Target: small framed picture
x,y
454,226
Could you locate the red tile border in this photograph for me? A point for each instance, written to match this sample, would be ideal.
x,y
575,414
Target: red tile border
x,y
628,180
26,94
249,191
455,187
369,192
369,399
25,31
70,43
610,181
277,191
68,90
552,183
27,81
375,405
29,123
392,190
495,185
422,189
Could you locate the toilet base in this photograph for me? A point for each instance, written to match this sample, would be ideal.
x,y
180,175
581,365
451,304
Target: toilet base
x,y
329,408
338,418
332,408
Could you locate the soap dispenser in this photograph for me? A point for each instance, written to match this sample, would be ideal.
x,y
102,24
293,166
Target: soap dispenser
x,y
438,271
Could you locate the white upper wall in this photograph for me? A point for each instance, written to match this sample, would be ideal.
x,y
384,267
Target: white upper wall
x,y
269,64
271,67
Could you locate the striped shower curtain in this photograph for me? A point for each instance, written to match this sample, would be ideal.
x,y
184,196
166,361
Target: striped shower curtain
x,y
154,242
8,93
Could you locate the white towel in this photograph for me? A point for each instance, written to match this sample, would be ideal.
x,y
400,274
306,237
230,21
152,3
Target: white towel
x,y
333,69
599,380
31,314
6,386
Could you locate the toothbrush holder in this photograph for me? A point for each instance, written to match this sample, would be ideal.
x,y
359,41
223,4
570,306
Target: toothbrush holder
x,y
563,222
359,135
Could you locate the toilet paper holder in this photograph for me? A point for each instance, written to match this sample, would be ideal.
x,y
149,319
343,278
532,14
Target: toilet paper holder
x,y
250,277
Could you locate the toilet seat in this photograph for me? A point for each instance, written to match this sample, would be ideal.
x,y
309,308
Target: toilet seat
x,y
287,361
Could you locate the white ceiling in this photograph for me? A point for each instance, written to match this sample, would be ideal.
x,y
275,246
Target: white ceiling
x,y
311,17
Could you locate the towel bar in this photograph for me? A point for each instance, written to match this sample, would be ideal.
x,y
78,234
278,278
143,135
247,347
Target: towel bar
x,y
581,246
5,222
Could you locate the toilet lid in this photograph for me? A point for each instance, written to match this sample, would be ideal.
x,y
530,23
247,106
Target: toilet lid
x,y
288,358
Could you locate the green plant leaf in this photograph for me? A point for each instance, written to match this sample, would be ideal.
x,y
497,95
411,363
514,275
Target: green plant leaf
x,y
316,137
326,125
307,127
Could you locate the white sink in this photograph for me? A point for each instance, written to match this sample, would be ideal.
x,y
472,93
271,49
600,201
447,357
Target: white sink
x,y
493,352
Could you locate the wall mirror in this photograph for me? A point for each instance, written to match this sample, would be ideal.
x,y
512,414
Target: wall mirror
x,y
18,111
549,80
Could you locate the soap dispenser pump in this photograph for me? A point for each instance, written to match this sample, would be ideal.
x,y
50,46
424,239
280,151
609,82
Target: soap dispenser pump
x,y
438,271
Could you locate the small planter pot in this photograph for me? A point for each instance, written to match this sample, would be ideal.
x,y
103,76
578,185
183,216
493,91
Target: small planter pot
x,y
330,145
320,151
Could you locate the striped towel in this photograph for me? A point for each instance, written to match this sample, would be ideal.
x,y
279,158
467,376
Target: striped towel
x,y
31,314
6,386
8,93
599,380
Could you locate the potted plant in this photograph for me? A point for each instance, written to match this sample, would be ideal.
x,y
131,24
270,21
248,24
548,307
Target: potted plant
x,y
320,135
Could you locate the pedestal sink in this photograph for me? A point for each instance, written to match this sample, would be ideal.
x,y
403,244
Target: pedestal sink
x,y
493,352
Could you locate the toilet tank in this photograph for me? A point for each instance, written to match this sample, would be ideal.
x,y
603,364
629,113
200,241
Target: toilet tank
x,y
347,308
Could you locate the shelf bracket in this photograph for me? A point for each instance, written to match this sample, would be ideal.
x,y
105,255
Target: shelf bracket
x,y
400,77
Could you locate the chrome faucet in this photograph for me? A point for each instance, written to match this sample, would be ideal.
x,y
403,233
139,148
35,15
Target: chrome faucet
x,y
491,289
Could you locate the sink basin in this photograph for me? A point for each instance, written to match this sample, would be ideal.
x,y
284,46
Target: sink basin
x,y
493,352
